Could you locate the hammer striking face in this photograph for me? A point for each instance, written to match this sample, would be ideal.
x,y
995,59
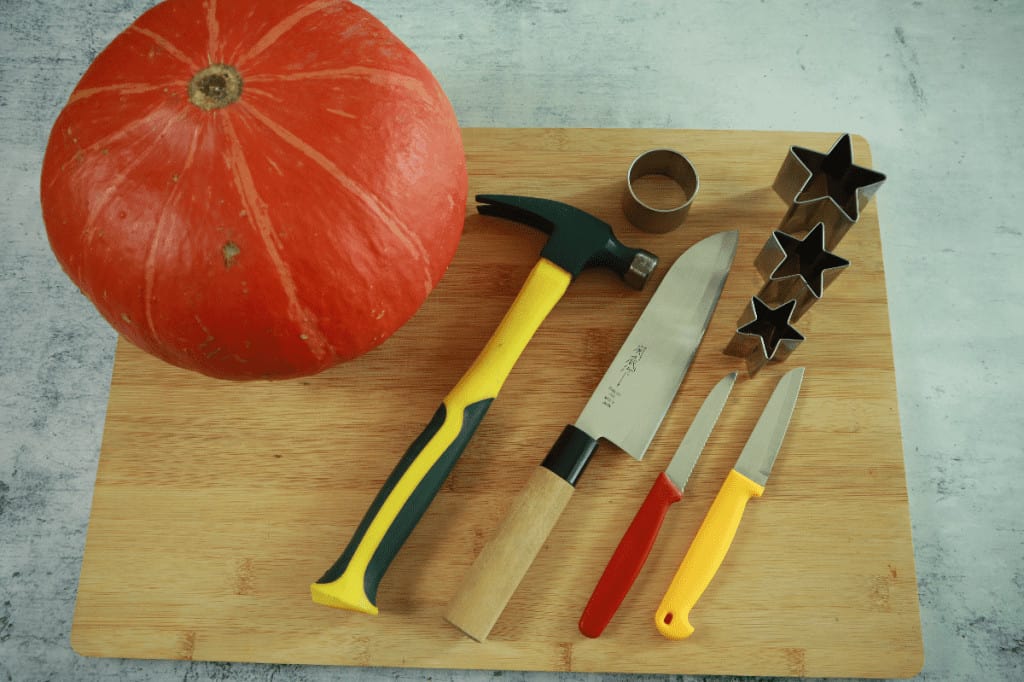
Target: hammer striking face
x,y
577,241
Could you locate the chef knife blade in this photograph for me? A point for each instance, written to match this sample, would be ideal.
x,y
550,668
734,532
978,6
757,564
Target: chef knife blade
x,y
637,388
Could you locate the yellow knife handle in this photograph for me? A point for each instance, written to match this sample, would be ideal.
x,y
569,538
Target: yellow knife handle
x,y
351,583
705,555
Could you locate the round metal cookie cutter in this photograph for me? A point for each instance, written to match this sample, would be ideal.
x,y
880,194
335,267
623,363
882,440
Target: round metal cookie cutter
x,y
671,164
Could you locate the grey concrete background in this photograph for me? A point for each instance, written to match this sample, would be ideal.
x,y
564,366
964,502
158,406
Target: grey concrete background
x,y
936,88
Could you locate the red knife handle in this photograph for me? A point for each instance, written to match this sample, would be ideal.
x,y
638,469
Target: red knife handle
x,y
629,556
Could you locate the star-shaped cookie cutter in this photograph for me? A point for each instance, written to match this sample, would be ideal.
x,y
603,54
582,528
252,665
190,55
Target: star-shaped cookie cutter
x,y
798,269
764,333
825,188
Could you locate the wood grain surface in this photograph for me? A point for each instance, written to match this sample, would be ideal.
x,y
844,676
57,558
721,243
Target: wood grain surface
x,y
216,504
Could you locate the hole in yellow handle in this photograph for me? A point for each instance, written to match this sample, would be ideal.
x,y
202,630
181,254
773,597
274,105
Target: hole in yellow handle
x,y
668,618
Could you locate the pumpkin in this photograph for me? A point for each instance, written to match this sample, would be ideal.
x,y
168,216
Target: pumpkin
x,y
255,188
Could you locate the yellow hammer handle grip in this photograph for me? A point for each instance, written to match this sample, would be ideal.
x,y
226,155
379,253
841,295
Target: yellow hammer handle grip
x,y
705,555
352,581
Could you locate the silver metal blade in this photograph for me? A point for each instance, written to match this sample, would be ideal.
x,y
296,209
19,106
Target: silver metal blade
x,y
631,400
762,447
688,452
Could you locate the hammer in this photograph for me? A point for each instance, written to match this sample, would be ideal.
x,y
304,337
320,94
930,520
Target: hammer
x,y
577,241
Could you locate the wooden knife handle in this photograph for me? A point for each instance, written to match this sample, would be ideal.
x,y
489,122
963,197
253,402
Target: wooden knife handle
x,y
503,562
629,557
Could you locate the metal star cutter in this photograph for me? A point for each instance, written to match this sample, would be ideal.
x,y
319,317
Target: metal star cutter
x,y
825,188
797,269
764,333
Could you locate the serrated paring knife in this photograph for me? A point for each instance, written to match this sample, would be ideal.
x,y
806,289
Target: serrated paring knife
x,y
626,408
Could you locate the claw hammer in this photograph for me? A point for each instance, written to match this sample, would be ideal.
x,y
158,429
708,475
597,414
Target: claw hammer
x,y
577,241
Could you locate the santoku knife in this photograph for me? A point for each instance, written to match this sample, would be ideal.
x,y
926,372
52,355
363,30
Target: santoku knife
x,y
631,554
626,408
746,480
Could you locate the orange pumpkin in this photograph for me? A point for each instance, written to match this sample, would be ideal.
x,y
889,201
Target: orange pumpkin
x,y
255,188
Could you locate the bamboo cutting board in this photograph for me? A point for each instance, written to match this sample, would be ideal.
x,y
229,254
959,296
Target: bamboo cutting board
x,y
216,504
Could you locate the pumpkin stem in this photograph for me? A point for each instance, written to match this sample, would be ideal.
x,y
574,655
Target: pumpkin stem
x,y
216,86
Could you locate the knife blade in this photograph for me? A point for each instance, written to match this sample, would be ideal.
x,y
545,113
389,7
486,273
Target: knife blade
x,y
636,543
626,408
746,481
637,388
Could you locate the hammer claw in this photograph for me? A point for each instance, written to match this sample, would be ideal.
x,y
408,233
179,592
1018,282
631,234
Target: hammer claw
x,y
507,207
578,239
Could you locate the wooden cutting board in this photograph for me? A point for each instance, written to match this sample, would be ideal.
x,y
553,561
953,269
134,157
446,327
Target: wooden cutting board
x,y
216,504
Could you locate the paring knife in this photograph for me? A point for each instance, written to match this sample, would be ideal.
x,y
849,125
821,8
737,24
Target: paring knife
x,y
746,480
626,408
634,547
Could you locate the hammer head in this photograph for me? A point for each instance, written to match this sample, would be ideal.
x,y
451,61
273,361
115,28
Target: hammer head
x,y
578,240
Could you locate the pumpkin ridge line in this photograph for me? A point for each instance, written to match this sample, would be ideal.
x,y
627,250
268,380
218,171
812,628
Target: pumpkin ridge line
x,y
380,77
213,33
275,32
257,216
127,132
120,88
150,266
89,229
168,46
249,90
397,227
